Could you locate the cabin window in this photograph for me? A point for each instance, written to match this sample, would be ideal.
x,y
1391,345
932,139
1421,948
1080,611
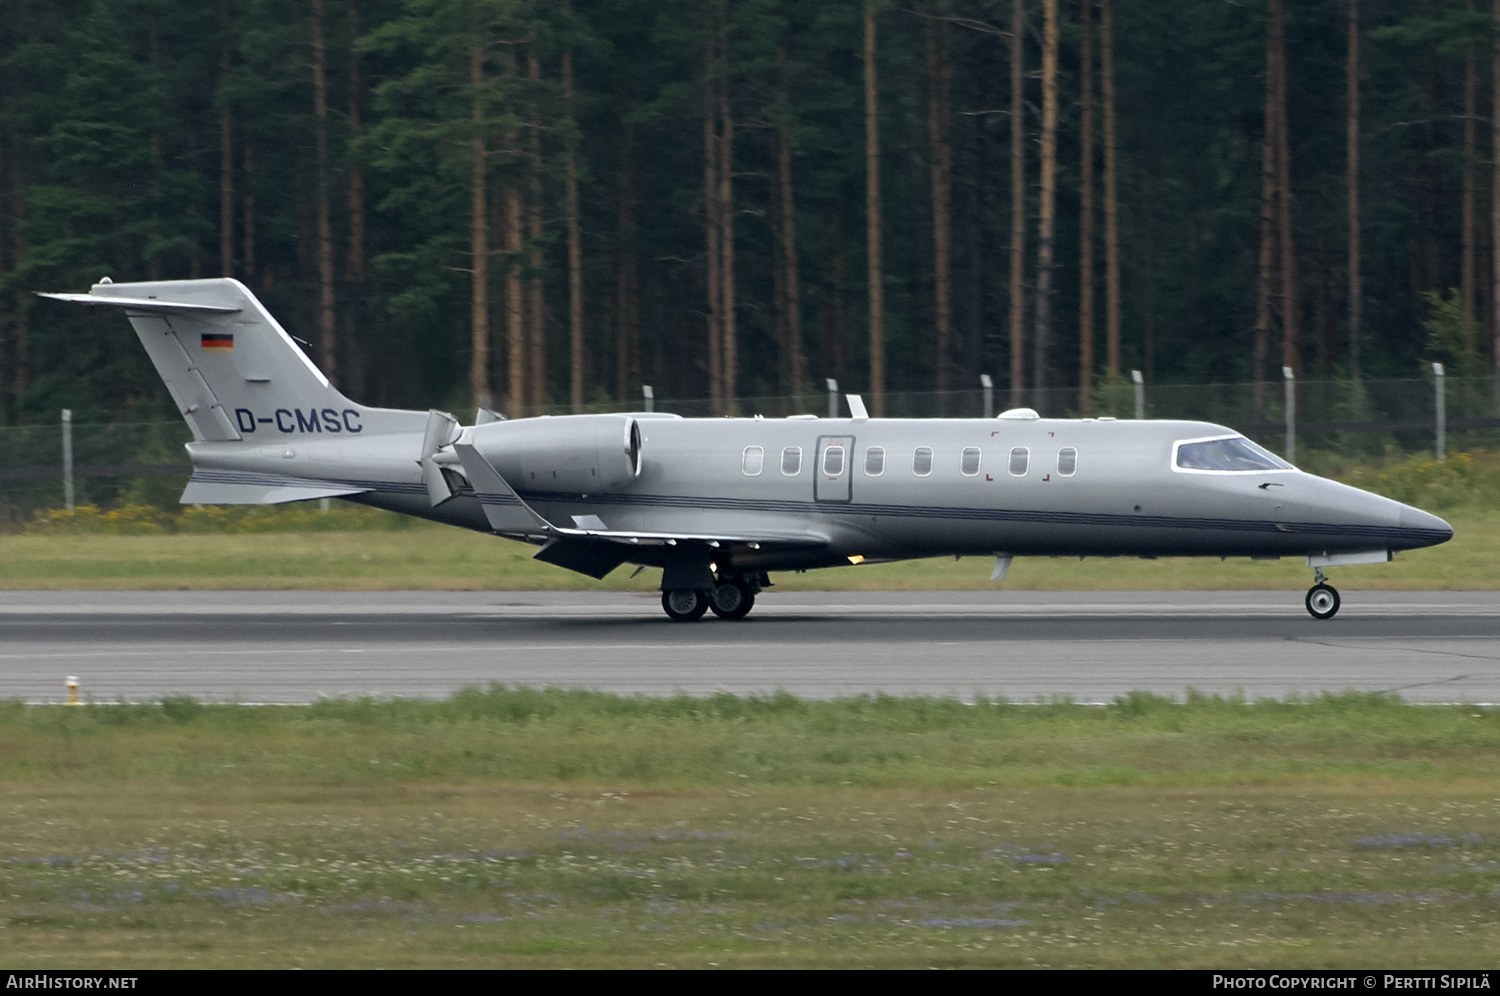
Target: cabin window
x,y
1067,462
1225,455
875,461
754,461
791,461
969,466
921,461
833,461
1019,458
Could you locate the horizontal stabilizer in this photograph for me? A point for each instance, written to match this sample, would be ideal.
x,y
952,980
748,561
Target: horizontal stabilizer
x,y
227,488
145,304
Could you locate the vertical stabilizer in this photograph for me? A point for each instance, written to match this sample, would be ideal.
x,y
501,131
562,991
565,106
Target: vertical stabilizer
x,y
230,366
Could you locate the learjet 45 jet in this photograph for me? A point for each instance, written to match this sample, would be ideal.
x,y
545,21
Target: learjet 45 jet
x,y
717,504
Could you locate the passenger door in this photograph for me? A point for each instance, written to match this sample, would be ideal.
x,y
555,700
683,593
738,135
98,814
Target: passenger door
x,y
833,476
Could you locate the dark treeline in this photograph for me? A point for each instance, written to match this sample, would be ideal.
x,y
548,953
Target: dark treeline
x,y
528,203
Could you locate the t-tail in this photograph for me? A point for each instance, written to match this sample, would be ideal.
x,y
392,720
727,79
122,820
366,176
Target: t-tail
x,y
252,398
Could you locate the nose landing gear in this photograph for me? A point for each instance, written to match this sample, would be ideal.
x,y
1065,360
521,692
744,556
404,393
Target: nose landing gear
x,y
1322,597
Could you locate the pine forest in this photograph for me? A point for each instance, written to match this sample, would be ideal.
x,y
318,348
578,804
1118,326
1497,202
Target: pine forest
x,y
543,205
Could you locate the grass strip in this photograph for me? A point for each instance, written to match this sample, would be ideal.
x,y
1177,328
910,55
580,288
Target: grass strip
x,y
525,828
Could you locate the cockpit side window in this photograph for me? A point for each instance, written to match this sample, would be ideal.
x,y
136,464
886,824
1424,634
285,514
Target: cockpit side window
x,y
1224,455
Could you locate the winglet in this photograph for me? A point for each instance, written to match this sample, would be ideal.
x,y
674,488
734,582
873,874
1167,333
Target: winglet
x,y
504,509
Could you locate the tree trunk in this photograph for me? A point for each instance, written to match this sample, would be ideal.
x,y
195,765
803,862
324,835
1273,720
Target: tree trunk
x,y
1466,266
514,222
1495,201
1147,269
356,345
247,214
515,297
1290,305
1111,198
535,297
326,343
1266,259
1046,221
1351,182
627,279
791,283
875,275
1017,204
479,250
1323,308
835,321
7,411
975,212
726,229
1086,215
938,83
226,154
575,237
713,230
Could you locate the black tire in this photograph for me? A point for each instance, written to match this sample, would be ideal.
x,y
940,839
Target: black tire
x,y
1322,601
684,604
732,600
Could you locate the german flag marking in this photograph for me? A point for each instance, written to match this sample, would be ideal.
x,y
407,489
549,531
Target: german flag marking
x,y
217,342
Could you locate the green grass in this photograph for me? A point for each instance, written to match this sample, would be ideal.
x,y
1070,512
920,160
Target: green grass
x,y
427,556
565,829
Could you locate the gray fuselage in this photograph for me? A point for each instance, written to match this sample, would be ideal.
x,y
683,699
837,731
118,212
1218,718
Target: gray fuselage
x,y
1017,490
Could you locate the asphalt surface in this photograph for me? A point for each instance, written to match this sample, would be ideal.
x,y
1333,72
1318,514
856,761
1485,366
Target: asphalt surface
x,y
295,647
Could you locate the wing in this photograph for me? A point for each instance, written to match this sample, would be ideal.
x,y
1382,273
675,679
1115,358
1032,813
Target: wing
x,y
590,547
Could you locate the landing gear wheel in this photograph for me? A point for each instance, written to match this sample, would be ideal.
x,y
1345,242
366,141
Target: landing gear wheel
x,y
732,600
684,604
1322,601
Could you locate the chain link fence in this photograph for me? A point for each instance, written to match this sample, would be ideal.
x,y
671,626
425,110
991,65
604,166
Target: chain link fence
x,y
144,463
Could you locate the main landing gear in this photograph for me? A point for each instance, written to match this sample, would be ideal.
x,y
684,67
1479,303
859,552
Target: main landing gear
x,y
1322,597
732,597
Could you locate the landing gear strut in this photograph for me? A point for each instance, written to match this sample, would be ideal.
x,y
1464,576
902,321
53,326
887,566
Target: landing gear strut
x,y
1322,597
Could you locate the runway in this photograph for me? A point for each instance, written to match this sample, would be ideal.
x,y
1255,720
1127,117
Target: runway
x,y
295,647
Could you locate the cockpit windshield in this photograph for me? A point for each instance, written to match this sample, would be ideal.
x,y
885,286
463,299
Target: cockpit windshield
x,y
1226,455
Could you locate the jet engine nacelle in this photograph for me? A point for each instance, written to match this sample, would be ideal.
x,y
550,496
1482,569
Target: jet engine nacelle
x,y
581,454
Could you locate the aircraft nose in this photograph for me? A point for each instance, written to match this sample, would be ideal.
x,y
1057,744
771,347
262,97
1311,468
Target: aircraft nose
x,y
1423,528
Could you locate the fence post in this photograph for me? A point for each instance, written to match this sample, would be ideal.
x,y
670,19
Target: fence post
x,y
1140,393
1290,380
833,397
1442,410
989,394
67,455
648,397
